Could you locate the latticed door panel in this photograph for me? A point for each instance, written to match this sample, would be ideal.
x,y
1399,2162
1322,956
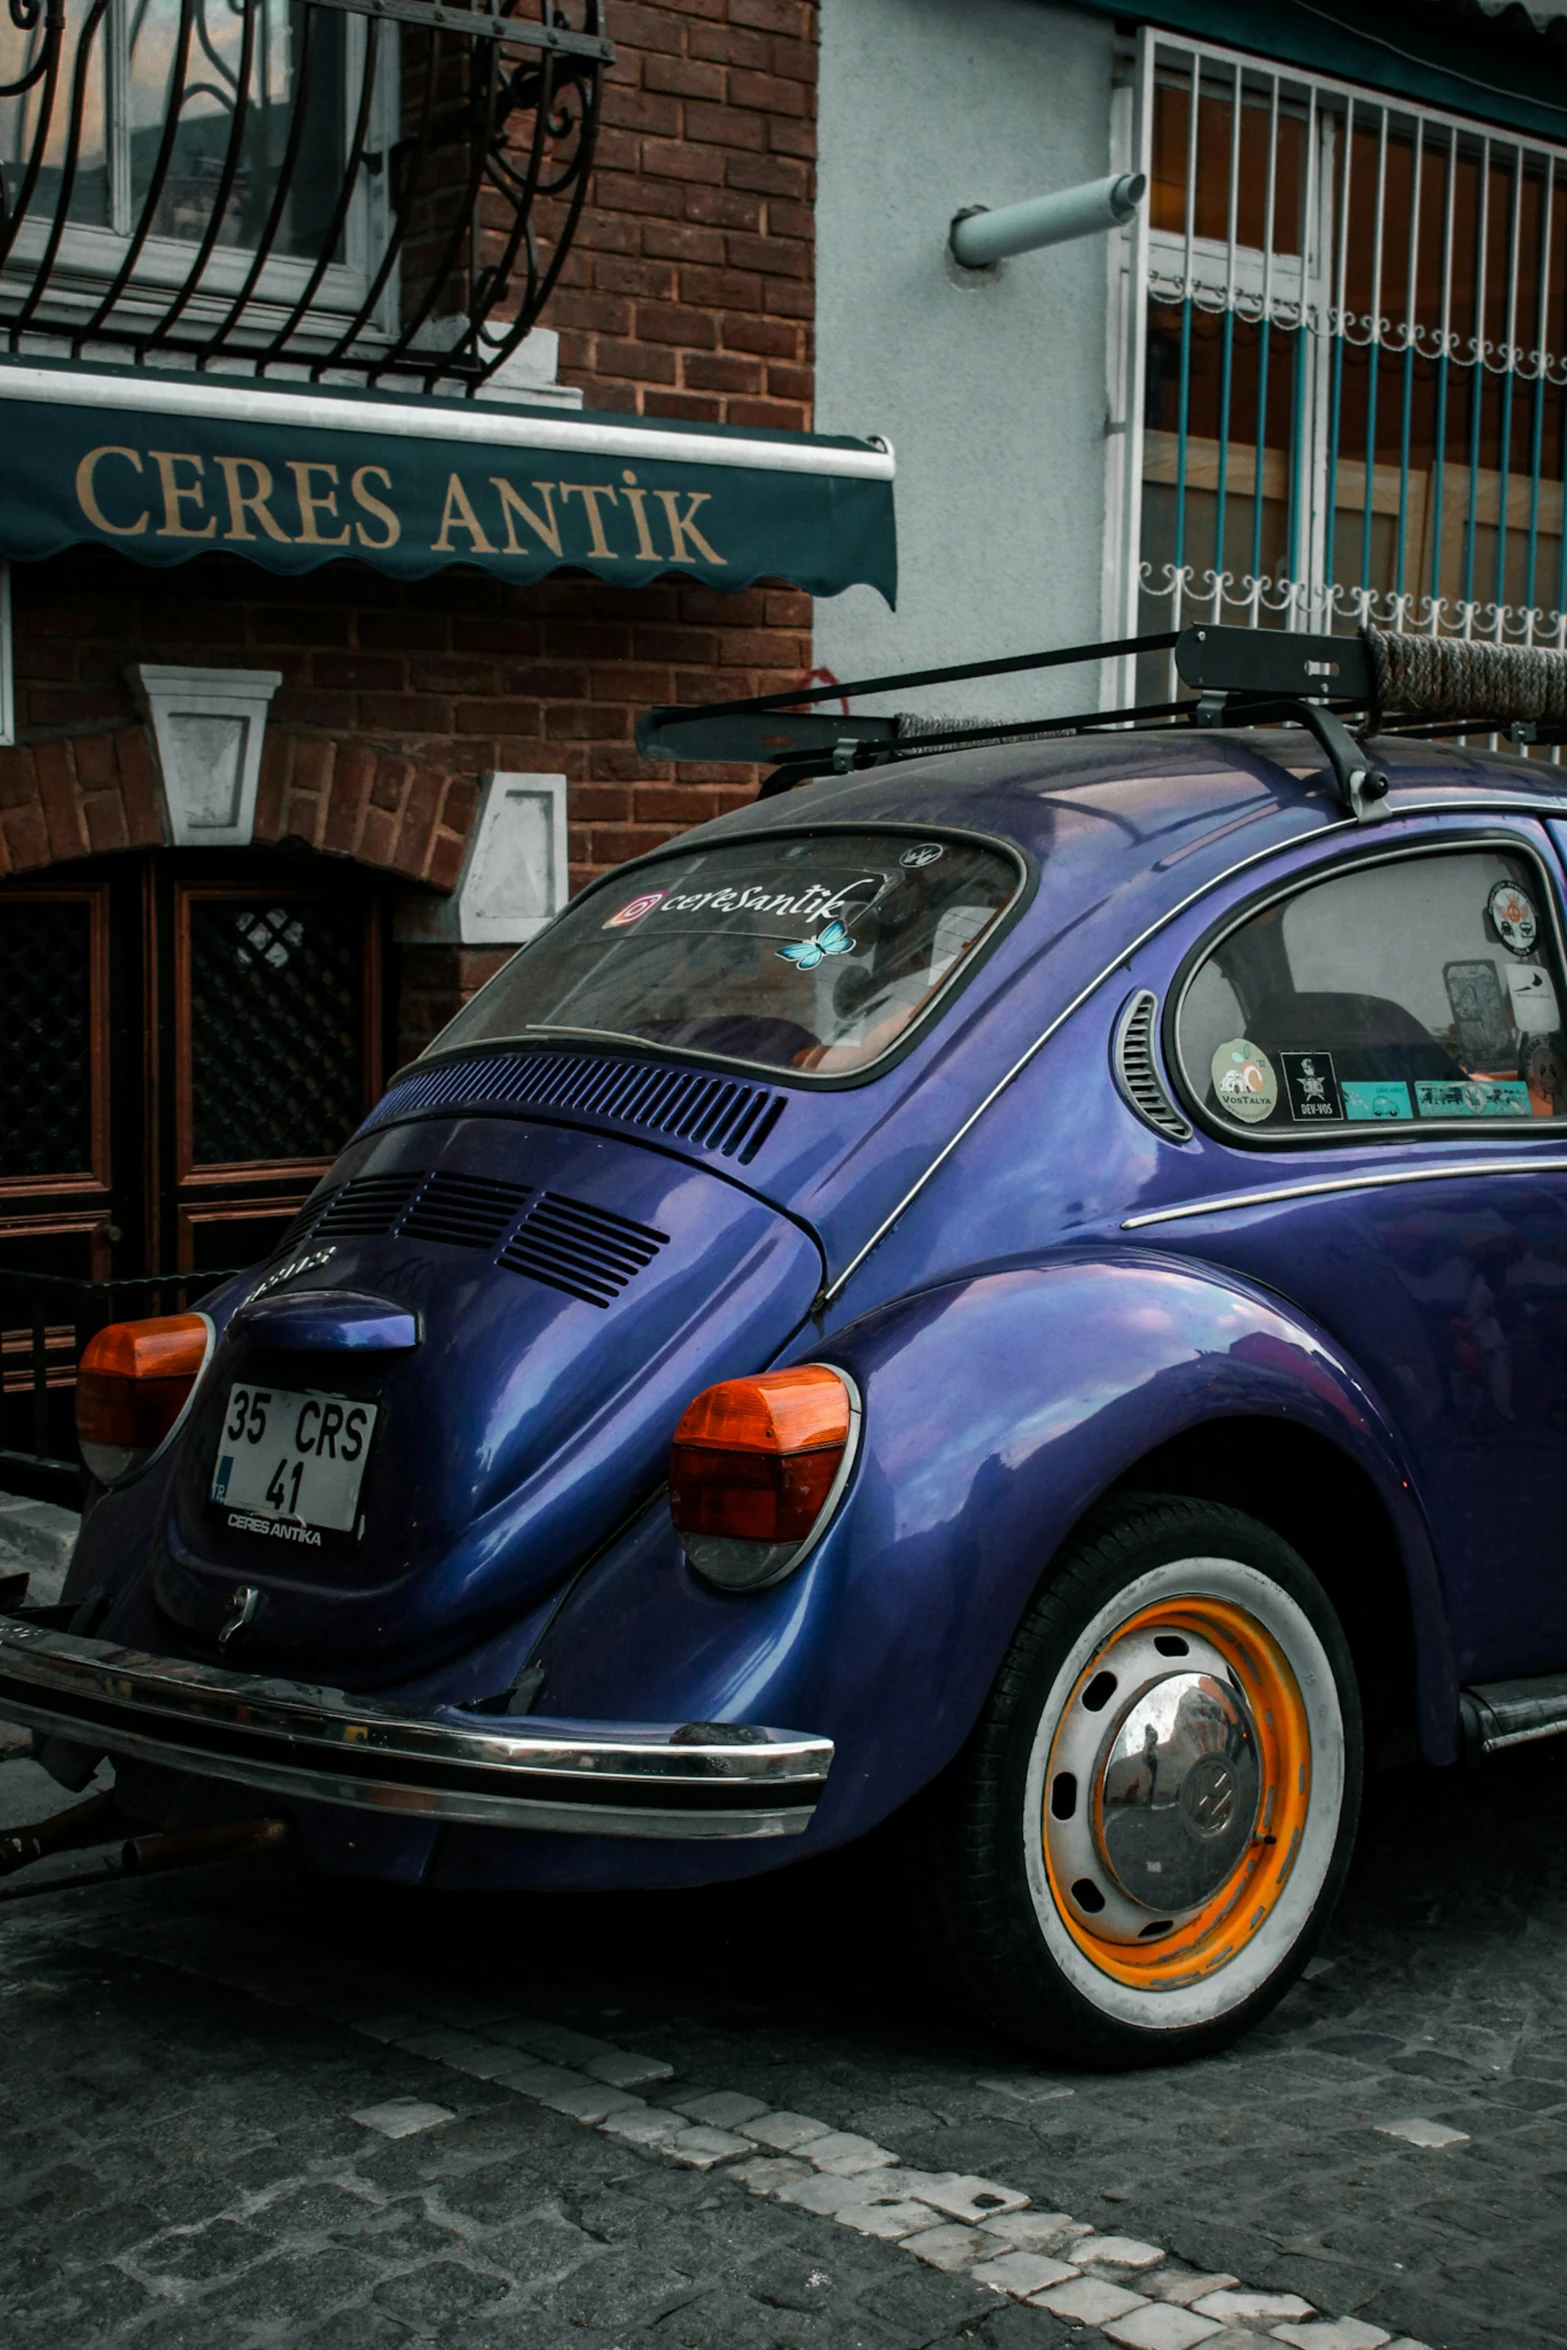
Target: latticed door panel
x,y
276,1038
50,1052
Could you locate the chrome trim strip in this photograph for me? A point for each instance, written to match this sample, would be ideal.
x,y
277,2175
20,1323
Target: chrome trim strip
x,y
1373,1179
835,1288
245,402
594,1779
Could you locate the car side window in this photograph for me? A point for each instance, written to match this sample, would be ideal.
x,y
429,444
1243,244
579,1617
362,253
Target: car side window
x,y
1417,992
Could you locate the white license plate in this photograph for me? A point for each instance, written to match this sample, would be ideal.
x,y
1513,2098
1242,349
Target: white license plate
x,y
292,1459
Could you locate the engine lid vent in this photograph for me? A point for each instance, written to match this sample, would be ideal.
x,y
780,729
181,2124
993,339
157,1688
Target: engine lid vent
x,y
590,1253
365,1208
1137,1072
468,1211
722,1114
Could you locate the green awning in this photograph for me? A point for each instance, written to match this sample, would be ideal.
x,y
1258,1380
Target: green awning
x,y
164,466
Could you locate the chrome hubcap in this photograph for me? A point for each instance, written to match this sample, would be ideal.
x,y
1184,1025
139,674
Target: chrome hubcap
x,y
1155,1785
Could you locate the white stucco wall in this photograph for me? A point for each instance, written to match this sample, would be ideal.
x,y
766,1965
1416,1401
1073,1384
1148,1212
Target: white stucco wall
x,y
993,394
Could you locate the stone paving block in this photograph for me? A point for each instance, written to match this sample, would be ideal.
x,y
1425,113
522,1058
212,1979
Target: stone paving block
x,y
1039,2231
963,2196
1160,2325
1093,2301
888,2217
702,2147
784,2132
1184,2285
541,2080
402,2117
948,2248
651,2126
1420,2132
1115,2252
1344,2333
769,2174
593,2102
624,2069
1021,2273
820,2191
720,2109
442,2046
555,2043
844,2152
1234,2306
385,2027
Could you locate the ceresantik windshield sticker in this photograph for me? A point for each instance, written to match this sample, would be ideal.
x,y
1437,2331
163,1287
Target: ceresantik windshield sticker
x,y
821,901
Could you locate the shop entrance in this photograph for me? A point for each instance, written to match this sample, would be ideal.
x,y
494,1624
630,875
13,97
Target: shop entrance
x,y
185,1044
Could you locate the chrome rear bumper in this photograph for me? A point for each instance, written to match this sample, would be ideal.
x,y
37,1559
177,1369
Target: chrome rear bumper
x,y
694,1780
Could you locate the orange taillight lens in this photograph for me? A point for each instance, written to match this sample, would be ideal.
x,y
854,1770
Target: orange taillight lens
x,y
751,1468
132,1384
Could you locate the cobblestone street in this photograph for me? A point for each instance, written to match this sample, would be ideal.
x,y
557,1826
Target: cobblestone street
x,y
207,2139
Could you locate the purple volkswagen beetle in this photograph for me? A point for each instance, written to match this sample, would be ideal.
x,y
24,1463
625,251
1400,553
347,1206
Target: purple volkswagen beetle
x,y
1018,1286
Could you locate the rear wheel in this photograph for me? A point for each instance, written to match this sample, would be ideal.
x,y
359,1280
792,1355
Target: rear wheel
x,y
1151,1823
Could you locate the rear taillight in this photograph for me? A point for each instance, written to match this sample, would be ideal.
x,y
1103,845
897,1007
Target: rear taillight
x,y
134,1381
756,1468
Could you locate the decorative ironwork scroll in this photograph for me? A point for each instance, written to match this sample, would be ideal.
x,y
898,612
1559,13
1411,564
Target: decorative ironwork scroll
x,y
350,189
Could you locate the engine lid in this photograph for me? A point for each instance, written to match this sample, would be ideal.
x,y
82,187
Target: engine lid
x,y
552,1300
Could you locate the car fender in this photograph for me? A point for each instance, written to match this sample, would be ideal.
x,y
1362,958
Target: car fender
x,y
997,1410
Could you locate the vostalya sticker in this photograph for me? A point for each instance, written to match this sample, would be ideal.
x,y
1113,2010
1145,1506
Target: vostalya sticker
x,y
1244,1084
635,908
1512,912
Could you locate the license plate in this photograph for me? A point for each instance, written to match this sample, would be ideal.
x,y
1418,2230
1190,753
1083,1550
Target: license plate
x,y
291,1462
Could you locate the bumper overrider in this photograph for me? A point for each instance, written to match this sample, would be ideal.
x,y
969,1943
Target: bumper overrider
x,y
693,1780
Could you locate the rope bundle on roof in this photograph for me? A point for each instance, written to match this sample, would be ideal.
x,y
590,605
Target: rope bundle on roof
x,y
1445,677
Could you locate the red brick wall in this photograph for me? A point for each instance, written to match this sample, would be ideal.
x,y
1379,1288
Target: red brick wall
x,y
690,289
689,293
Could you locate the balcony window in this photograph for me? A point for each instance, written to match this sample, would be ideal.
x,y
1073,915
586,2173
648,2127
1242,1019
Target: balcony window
x,y
286,181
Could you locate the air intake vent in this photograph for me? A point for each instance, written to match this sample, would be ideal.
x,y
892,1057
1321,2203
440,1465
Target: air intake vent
x,y
305,1222
469,1211
588,1252
367,1207
1136,1071
717,1113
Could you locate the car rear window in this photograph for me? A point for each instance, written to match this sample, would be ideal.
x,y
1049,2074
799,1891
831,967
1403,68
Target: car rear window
x,y
1404,994
804,951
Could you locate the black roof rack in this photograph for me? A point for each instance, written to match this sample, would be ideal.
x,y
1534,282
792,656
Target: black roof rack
x,y
1240,676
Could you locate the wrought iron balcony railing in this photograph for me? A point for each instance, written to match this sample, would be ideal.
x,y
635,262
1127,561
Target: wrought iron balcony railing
x,y
355,189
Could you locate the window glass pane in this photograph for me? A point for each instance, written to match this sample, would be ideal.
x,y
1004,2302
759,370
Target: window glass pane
x,y
215,75
802,953
36,81
1426,991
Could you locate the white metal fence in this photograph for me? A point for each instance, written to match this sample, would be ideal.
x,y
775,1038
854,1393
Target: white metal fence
x,y
1343,381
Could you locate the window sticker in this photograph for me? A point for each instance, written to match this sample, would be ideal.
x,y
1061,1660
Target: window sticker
x,y
1512,913
1376,1097
635,908
806,953
1472,1097
924,852
1480,1013
1546,1072
1243,1081
1533,999
1311,1086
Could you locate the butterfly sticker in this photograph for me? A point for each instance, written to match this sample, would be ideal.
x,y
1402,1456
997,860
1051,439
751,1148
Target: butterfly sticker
x,y
806,953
